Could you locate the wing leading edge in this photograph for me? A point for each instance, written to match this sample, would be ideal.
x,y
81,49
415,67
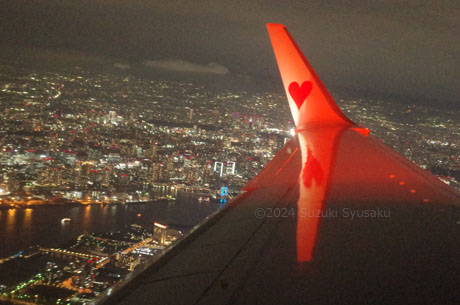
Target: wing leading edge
x,y
335,218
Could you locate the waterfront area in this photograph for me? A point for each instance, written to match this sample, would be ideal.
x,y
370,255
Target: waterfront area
x,y
90,264
85,138
90,162
80,137
42,254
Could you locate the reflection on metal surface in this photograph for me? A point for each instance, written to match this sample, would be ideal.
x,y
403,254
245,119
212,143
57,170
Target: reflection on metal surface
x,y
341,168
319,148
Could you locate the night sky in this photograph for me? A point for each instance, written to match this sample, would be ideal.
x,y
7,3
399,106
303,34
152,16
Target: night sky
x,y
405,48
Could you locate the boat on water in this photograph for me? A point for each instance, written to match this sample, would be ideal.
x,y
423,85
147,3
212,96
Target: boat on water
x,y
167,198
66,220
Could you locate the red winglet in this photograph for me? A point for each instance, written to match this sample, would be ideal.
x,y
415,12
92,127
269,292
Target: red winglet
x,y
309,100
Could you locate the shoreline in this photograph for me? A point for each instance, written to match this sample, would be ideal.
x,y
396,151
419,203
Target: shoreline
x,y
73,204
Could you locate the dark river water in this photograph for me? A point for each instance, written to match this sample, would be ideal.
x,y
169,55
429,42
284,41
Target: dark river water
x,y
21,228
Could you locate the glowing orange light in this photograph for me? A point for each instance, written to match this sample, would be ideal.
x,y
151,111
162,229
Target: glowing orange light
x,y
361,130
139,215
392,176
413,191
402,183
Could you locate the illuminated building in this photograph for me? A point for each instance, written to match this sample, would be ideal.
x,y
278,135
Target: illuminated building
x,y
219,168
159,232
230,169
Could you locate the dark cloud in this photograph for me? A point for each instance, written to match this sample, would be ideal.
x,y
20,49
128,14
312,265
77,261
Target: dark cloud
x,y
409,48
178,65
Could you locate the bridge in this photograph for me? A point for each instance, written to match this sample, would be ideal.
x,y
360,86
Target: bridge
x,y
64,252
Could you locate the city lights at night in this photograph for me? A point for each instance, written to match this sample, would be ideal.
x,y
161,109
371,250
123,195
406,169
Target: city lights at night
x,y
150,155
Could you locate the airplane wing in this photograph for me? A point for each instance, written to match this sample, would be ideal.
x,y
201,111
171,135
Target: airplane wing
x,y
336,217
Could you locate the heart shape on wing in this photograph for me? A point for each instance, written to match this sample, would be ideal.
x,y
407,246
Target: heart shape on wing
x,y
300,93
312,171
